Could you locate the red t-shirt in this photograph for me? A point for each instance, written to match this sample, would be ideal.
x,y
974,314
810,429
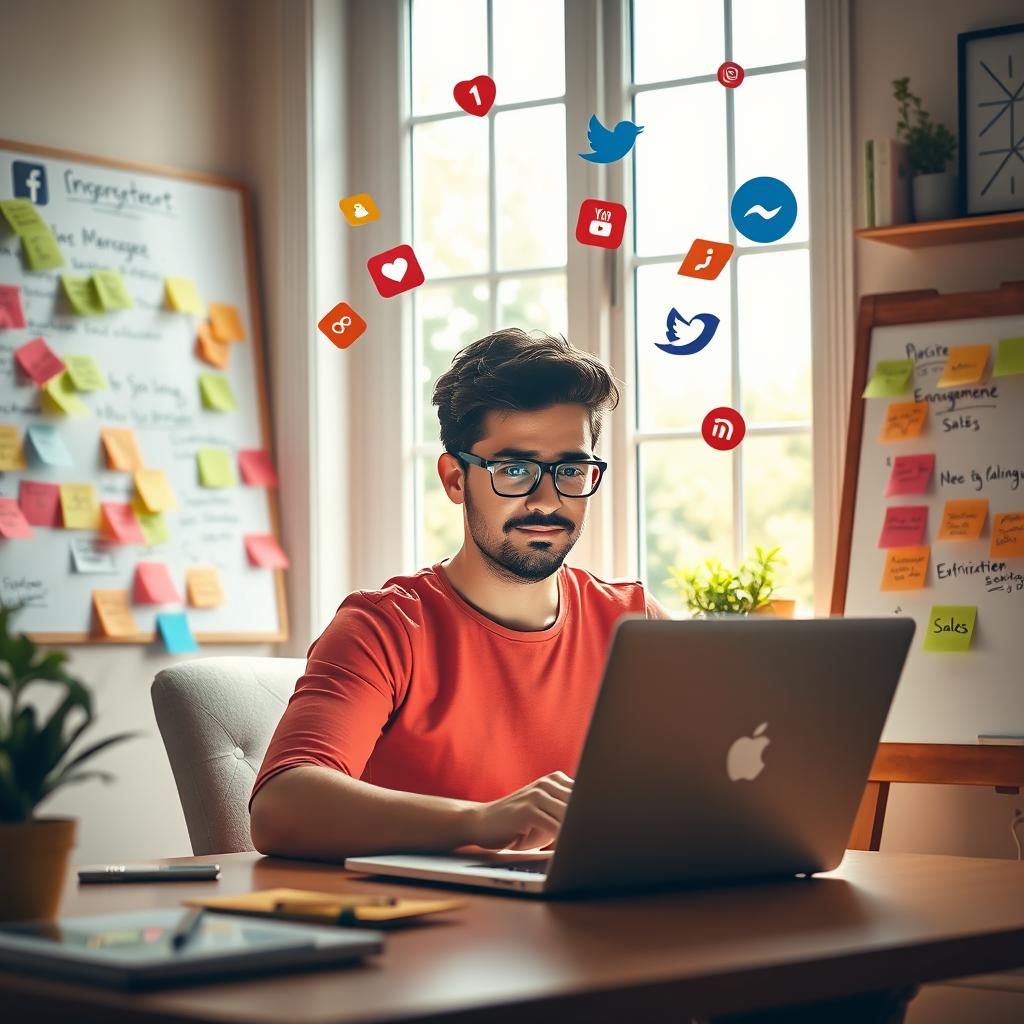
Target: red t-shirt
x,y
413,689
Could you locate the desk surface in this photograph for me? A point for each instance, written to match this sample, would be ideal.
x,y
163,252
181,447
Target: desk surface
x,y
880,920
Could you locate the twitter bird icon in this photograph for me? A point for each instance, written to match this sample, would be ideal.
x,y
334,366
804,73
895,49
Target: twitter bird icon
x,y
609,146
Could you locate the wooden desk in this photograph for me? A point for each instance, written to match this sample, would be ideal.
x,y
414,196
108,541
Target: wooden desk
x,y
880,921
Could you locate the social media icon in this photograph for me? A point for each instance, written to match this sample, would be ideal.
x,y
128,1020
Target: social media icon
x,y
342,326
681,341
705,259
607,146
395,271
359,209
723,428
475,95
601,223
730,74
30,182
763,209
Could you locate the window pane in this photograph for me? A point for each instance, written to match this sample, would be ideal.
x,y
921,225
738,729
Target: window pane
x,y
676,391
535,28
686,510
439,531
769,144
682,188
449,45
777,498
447,318
677,39
769,32
775,335
534,303
530,179
450,196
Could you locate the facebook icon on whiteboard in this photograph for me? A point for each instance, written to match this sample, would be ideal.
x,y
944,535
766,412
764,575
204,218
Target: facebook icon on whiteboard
x,y
30,182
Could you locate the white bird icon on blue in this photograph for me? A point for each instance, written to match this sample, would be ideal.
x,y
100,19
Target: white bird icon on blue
x,y
609,146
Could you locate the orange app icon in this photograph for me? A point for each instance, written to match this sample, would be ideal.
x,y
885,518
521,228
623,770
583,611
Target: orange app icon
x,y
342,325
359,209
705,259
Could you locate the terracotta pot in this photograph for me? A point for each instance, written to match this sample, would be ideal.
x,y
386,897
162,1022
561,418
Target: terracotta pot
x,y
34,858
781,608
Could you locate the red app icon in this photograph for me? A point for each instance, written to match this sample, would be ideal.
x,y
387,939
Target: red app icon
x,y
342,326
723,428
601,223
730,74
705,259
395,271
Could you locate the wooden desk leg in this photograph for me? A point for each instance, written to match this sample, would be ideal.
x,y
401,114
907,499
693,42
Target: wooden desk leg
x,y
867,827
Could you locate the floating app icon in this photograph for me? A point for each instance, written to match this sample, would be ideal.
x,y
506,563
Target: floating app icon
x,y
30,182
683,342
395,271
763,209
730,74
705,259
608,146
342,326
359,209
475,95
723,428
601,223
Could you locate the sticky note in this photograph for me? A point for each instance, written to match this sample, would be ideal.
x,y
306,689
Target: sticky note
x,y
950,628
22,215
910,474
963,519
40,502
112,291
85,374
120,524
216,468
114,613
1007,535
38,361
80,507
152,524
13,524
216,393
226,322
203,586
91,555
12,453
10,306
210,350
176,633
891,378
122,449
964,365
153,584
60,396
81,295
47,445
904,526
182,296
903,420
41,249
905,568
264,551
154,490
1009,358
257,469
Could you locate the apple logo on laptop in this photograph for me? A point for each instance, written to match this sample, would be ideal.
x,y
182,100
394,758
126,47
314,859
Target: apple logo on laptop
x,y
744,759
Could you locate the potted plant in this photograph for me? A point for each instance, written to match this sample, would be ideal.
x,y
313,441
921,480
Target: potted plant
x,y
34,763
930,147
713,589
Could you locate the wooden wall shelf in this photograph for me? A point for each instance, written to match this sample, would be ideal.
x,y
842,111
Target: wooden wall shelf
x,y
948,232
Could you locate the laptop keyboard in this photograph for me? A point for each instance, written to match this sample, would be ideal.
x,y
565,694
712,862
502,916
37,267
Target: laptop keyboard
x,y
537,867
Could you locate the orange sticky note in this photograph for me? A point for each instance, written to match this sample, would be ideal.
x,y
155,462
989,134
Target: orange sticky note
x,y
904,420
226,322
964,365
203,586
264,551
963,519
122,448
905,568
154,585
114,613
80,507
210,350
120,524
1007,535
154,490
12,450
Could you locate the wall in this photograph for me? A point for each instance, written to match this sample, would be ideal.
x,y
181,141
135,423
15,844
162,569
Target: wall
x,y
918,38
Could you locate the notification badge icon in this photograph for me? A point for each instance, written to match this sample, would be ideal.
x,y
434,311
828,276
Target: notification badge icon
x,y
705,259
723,428
395,271
342,326
730,74
601,223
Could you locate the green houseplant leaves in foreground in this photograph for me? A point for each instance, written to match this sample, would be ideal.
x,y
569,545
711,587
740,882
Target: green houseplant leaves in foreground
x,y
714,589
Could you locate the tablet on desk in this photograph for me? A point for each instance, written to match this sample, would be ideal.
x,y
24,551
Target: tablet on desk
x,y
148,872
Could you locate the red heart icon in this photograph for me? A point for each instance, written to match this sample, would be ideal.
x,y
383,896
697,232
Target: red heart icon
x,y
476,95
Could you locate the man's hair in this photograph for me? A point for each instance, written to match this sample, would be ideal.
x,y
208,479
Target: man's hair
x,y
514,371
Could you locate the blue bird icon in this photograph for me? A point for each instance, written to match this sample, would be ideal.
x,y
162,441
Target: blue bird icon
x,y
609,146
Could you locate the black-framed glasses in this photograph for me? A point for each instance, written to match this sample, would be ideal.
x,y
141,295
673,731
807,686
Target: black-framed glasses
x,y
517,478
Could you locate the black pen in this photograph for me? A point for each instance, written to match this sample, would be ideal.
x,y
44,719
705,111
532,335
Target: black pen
x,y
186,927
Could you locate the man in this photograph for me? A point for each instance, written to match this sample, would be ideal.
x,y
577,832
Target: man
x,y
449,708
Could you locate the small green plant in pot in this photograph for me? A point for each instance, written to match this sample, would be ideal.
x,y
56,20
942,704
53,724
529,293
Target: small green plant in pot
x,y
930,147
35,761
713,589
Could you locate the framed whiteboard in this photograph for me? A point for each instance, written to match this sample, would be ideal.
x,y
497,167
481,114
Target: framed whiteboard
x,y
148,223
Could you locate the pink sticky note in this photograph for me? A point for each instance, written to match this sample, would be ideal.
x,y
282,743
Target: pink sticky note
x,y
264,551
40,503
38,361
153,584
13,523
904,526
10,305
257,469
120,524
910,474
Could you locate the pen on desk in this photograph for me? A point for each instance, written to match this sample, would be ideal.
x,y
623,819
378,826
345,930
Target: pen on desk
x,y
186,927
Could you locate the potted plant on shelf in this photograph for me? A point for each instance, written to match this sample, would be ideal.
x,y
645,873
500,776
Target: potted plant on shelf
x,y
930,147
34,763
712,589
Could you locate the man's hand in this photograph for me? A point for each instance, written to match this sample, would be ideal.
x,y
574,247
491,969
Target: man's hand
x,y
524,820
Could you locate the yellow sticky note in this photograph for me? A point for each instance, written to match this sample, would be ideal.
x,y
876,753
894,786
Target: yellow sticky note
x,y
904,420
203,586
12,450
226,322
963,519
216,467
60,392
905,568
965,365
1007,535
122,449
154,490
85,374
114,613
182,296
23,215
216,393
80,508
153,525
112,291
210,350
891,378
41,249
82,295
950,628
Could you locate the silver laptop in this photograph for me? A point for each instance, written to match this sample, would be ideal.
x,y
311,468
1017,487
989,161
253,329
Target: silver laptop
x,y
717,750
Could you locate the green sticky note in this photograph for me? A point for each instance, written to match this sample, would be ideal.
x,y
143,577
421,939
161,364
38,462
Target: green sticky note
x,y
41,249
111,289
22,215
216,467
153,525
216,393
60,393
85,374
950,628
81,293
890,378
1009,358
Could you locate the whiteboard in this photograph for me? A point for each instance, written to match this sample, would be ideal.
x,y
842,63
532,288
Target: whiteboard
x,y
955,697
105,217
